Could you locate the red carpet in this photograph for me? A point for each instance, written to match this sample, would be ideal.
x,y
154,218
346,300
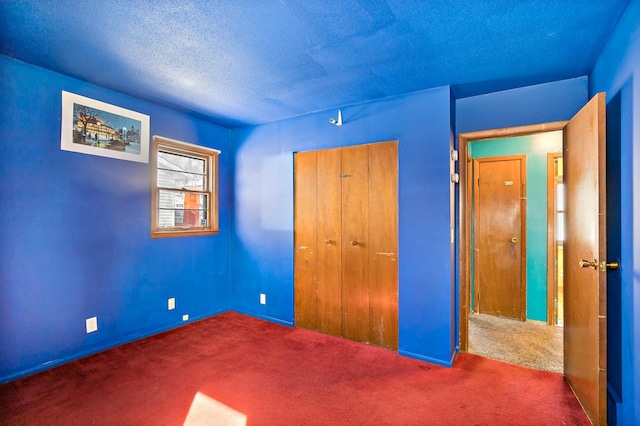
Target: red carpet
x,y
275,375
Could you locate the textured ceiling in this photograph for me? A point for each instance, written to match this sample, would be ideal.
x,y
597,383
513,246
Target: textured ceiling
x,y
241,62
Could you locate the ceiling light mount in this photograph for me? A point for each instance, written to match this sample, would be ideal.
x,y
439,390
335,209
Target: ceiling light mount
x,y
337,122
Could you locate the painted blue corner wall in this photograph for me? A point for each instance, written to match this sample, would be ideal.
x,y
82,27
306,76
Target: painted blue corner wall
x,y
617,72
454,212
542,103
74,247
75,232
262,226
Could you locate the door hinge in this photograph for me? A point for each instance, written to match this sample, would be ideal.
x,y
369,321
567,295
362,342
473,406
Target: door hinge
x,y
523,194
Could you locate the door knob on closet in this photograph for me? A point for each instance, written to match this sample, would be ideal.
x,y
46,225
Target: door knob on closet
x,y
514,240
354,243
327,241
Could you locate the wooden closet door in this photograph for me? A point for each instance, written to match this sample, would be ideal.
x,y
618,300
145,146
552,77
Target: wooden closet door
x,y
305,298
355,243
383,244
346,242
329,242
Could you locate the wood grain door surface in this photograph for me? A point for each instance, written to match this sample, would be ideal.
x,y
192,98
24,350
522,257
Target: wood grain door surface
x,y
383,244
355,243
499,236
305,257
328,242
345,231
585,292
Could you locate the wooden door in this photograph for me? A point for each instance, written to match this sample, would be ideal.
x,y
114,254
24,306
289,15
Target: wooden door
x,y
305,296
585,292
499,236
383,244
317,217
329,242
355,243
346,242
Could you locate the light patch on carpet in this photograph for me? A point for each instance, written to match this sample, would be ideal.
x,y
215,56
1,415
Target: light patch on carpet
x,y
207,411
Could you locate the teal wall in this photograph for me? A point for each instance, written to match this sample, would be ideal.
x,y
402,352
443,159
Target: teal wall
x,y
535,147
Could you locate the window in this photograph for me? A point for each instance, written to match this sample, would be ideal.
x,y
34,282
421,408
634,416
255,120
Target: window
x,y
184,189
559,177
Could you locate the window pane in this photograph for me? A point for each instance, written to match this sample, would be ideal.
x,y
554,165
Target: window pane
x,y
166,219
181,200
560,197
182,209
181,180
560,226
182,218
180,163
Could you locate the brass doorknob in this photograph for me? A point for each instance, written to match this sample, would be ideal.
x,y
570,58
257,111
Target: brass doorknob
x,y
612,265
589,263
354,243
327,241
514,240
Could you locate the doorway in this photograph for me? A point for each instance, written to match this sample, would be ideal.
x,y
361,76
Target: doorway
x,y
555,238
585,253
531,145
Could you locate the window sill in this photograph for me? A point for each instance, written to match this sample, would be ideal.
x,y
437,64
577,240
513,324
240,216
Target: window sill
x,y
183,233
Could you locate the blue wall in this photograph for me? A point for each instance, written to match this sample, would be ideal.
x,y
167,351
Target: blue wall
x,y
617,72
73,246
75,232
262,228
535,147
542,103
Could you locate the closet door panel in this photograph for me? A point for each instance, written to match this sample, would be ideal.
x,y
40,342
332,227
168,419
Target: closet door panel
x,y
329,242
355,232
383,244
305,299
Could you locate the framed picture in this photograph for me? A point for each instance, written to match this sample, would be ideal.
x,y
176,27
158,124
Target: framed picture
x,y
97,128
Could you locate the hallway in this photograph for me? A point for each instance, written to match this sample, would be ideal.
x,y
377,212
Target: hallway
x,y
529,344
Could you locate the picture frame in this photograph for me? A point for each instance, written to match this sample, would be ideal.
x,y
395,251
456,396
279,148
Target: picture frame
x,y
93,127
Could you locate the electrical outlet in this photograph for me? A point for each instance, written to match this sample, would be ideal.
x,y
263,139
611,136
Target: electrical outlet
x,y
172,303
263,299
185,317
92,324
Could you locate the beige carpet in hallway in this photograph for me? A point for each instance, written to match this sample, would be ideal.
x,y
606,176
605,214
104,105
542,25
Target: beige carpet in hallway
x,y
529,344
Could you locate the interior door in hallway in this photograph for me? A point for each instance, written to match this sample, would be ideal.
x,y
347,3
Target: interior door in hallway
x,y
499,236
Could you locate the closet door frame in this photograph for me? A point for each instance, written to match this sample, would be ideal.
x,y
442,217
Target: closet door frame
x,y
355,294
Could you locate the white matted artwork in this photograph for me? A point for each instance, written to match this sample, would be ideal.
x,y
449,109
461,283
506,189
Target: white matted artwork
x,y
97,128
